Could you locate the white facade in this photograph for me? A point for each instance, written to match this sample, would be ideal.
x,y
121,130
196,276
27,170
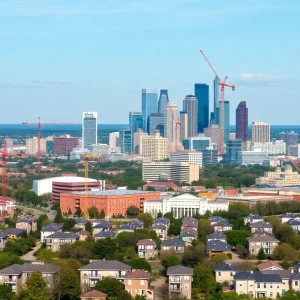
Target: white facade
x,y
271,148
101,149
154,147
113,142
77,152
171,116
185,205
32,146
44,186
191,157
260,132
252,157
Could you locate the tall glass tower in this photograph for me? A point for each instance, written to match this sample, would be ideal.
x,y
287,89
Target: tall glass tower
x,y
202,94
89,129
216,99
149,105
226,119
125,141
163,101
135,121
242,121
190,105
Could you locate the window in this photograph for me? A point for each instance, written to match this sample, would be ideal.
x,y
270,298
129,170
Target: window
x,y
231,274
265,285
142,282
186,277
186,286
258,285
296,282
219,273
129,282
271,294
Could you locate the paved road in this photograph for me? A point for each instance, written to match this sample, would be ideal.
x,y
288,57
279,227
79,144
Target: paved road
x,y
29,255
37,212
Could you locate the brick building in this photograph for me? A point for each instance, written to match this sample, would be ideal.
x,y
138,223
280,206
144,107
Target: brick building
x,y
110,201
64,144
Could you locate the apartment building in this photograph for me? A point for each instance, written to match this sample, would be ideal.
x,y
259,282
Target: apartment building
x,y
224,272
266,241
146,249
15,275
97,270
180,281
54,241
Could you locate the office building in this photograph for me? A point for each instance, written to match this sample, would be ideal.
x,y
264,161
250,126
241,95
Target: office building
x,y
226,118
64,144
89,129
197,143
272,148
125,141
202,95
233,147
156,123
149,105
214,132
137,138
77,153
113,141
242,121
171,115
187,156
291,140
180,172
154,147
210,156
163,101
135,121
184,125
190,106
101,149
256,157
260,132
216,99
32,146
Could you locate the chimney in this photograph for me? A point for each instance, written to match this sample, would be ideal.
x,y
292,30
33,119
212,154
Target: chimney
x,y
292,271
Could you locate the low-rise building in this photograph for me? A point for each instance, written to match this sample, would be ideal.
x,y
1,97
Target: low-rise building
x,y
269,265
224,272
217,247
93,295
27,224
295,224
83,235
146,249
253,219
80,223
102,226
261,226
54,241
3,239
162,186
222,226
180,280
220,236
262,241
287,217
100,269
173,244
14,233
216,219
49,230
160,230
104,235
188,235
15,275
137,282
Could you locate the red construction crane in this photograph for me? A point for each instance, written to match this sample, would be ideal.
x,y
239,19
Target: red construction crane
x,y
222,84
177,123
39,123
293,163
4,155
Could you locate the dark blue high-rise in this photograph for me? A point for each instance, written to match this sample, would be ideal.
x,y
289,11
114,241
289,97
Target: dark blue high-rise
x,y
163,101
202,95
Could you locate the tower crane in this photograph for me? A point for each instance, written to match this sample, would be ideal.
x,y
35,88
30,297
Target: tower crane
x,y
293,163
39,124
223,84
177,123
87,158
4,155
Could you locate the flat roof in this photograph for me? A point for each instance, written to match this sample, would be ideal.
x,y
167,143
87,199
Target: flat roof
x,y
68,179
113,192
249,198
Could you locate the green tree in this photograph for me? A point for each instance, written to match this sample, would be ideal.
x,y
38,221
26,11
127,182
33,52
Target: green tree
x,y
204,280
46,255
58,217
102,214
35,288
20,246
42,219
175,227
110,286
7,259
124,295
194,255
68,224
78,212
93,212
140,297
69,284
89,227
105,248
140,264
171,261
5,292
146,218
261,255
285,252
132,211
235,237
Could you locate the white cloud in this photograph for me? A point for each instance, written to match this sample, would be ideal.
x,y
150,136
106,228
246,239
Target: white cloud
x,y
260,79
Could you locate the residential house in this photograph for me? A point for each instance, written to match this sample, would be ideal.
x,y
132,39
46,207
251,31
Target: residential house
x,y
80,223
217,247
27,224
287,277
104,235
224,272
93,295
100,269
54,241
217,236
180,280
253,219
50,229
103,226
269,265
15,275
261,226
216,219
222,226
137,282
146,249
288,216
265,241
162,221
258,284
83,235
14,233
3,239
138,224
188,235
161,230
173,244
126,228
295,224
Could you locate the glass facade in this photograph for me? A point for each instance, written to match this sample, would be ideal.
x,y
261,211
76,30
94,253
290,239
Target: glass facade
x,y
242,121
89,129
135,121
226,119
163,101
156,123
210,157
233,148
125,141
149,106
196,143
202,94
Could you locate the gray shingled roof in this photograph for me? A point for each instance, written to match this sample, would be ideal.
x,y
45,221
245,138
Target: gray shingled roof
x,y
179,270
81,221
18,269
51,227
3,235
162,220
158,226
105,234
14,231
260,225
103,225
284,274
173,242
110,265
224,267
258,277
216,219
217,246
217,236
63,235
293,222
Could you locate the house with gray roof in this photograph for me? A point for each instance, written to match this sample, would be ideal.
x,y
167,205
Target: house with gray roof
x,y
265,241
173,244
146,249
14,233
224,272
222,226
3,239
288,216
253,219
104,235
162,221
50,229
54,241
15,275
103,226
295,224
27,224
180,280
80,223
217,247
261,226
97,270
217,236
161,230
216,219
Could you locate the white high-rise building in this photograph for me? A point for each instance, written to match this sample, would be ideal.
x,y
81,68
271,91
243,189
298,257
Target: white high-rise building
x,y
271,148
89,129
171,116
113,142
32,146
260,132
187,156
137,140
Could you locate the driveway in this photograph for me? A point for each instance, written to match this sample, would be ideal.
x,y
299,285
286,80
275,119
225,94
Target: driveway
x,y
29,255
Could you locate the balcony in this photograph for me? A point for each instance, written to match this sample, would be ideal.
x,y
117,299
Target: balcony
x,y
174,279
175,288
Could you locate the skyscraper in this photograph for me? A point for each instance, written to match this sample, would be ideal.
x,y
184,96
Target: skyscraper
x,y
202,95
156,123
226,119
260,132
149,105
135,121
163,101
291,139
190,105
184,125
89,129
216,98
242,122
125,141
233,148
170,124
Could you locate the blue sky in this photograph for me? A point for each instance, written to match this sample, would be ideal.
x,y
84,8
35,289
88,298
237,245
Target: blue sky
x,y
62,57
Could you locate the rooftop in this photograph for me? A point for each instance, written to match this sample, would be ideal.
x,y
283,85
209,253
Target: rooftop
x,y
63,235
114,193
172,242
30,267
218,246
93,294
261,225
179,270
224,267
269,264
111,265
138,274
146,242
51,227
105,234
